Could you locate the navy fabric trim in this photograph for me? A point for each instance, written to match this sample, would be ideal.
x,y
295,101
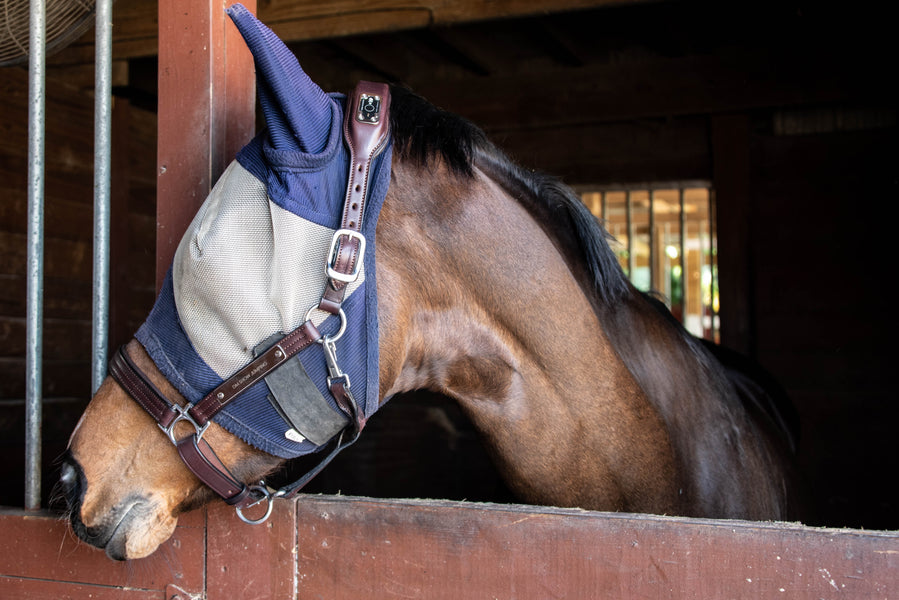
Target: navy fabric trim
x,y
296,110
308,185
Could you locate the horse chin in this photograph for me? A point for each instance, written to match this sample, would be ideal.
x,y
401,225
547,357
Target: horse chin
x,y
134,528
139,532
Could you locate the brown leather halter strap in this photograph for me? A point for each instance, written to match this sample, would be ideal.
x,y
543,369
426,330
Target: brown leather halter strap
x,y
366,130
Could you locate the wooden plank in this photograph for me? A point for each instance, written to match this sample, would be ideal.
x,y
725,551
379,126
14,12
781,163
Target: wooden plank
x,y
13,587
659,87
206,112
246,561
295,20
40,547
134,33
363,548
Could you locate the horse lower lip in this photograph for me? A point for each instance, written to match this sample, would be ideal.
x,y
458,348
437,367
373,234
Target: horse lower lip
x,y
115,543
105,539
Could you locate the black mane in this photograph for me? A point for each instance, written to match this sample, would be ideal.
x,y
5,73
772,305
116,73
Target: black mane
x,y
421,132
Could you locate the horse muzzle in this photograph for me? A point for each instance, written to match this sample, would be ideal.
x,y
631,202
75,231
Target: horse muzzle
x,y
111,532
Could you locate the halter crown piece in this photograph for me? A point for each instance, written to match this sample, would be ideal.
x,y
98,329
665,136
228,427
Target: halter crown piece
x,y
276,267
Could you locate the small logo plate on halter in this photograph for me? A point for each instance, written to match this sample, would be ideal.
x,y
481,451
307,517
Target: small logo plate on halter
x,y
369,109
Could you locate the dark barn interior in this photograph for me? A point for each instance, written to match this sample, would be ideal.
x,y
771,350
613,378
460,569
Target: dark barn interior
x,y
784,109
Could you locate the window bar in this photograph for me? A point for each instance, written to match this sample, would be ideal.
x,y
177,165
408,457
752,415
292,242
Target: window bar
x,y
653,244
683,253
713,260
35,276
629,209
102,137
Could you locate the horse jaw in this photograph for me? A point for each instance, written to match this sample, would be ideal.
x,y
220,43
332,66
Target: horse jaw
x,y
123,478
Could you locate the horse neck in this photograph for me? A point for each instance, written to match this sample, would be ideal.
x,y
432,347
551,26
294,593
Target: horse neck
x,y
477,303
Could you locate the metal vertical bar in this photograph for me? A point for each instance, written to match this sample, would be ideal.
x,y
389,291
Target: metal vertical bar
x,y
683,253
34,288
629,210
102,159
653,244
713,259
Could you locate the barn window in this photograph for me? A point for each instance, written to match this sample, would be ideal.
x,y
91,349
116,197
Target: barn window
x,y
666,243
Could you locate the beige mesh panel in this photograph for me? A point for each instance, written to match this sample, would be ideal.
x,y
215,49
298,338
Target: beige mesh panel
x,y
245,269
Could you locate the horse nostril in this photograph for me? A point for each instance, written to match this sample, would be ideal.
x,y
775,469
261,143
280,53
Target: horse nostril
x,y
71,480
68,477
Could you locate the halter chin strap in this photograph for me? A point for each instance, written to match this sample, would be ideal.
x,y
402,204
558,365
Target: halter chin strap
x,y
366,130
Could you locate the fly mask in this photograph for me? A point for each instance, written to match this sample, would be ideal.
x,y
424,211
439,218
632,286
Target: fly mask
x,y
271,273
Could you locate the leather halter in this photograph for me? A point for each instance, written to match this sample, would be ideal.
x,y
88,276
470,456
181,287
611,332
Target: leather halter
x,y
366,131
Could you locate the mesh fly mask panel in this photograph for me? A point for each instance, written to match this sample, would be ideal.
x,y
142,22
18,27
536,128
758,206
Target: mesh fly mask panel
x,y
252,262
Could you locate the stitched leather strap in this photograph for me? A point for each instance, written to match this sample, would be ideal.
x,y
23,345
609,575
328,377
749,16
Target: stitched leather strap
x,y
300,338
132,380
366,129
203,462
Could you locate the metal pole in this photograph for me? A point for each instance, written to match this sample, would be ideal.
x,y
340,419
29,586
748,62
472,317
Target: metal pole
x,y
653,246
683,252
629,217
102,137
34,289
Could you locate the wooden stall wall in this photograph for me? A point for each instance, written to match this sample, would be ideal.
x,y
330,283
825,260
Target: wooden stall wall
x,y
348,548
68,226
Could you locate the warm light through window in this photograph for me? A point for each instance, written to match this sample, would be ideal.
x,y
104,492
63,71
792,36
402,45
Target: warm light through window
x,y
665,242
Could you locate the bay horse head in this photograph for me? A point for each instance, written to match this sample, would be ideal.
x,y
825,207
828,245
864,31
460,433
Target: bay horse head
x,y
390,245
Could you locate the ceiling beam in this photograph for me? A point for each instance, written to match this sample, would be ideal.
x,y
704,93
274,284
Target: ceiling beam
x,y
660,88
135,22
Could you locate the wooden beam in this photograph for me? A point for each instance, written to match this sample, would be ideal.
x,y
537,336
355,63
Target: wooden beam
x,y
134,32
691,85
206,111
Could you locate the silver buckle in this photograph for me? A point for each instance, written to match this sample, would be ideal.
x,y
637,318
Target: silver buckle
x,y
183,415
332,256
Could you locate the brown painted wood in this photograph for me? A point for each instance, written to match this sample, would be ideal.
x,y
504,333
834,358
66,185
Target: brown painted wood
x,y
13,587
134,34
362,548
206,111
40,547
341,547
251,561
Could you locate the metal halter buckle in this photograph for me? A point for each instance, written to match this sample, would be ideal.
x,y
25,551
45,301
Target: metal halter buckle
x,y
183,415
332,256
265,496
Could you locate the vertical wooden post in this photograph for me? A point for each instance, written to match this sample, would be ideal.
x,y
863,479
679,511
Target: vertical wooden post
x,y
206,111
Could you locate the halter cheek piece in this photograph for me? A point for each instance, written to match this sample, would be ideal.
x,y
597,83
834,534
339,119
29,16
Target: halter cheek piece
x,y
366,131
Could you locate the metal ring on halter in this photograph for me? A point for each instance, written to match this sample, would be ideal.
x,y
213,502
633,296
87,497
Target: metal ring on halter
x,y
266,496
340,331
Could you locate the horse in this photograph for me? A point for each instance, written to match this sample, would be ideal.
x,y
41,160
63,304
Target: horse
x,y
497,288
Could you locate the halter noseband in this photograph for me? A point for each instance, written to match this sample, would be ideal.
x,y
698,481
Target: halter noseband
x,y
366,131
